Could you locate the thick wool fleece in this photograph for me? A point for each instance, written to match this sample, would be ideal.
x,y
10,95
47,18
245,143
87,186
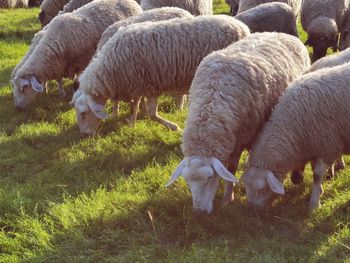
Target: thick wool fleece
x,y
153,58
235,90
270,17
309,122
338,59
154,15
195,7
244,5
71,39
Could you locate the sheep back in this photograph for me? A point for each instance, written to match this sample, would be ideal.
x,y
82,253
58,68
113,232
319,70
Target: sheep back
x,y
195,7
234,91
244,5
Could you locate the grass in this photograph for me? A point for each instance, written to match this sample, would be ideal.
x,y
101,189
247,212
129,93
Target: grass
x,y
67,198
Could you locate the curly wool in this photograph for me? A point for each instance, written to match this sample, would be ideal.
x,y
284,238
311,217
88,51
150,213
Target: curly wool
x,y
154,15
244,5
195,7
153,58
270,17
71,39
235,90
308,123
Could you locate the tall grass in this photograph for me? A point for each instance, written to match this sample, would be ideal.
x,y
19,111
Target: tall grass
x,y
67,198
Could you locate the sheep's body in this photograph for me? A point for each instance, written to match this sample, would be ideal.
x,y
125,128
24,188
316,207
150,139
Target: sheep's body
x,y
244,5
13,3
154,15
153,58
71,40
49,9
233,4
232,95
338,59
294,135
270,17
73,5
323,20
195,7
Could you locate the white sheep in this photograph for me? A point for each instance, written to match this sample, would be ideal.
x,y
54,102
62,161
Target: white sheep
x,y
49,9
270,17
150,59
244,5
67,46
195,7
231,96
323,21
307,125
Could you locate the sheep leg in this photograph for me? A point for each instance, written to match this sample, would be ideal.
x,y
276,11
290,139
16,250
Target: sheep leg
x,y
232,167
180,101
61,91
45,87
153,113
115,111
338,165
134,106
319,170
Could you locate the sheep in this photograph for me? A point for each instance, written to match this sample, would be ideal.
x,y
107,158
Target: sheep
x,y
49,9
73,5
67,46
270,17
233,4
323,20
307,125
150,59
231,96
195,7
244,5
13,3
158,14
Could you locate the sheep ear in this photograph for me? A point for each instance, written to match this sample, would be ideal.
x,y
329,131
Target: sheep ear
x,y
177,173
275,185
23,83
97,109
36,86
221,170
76,95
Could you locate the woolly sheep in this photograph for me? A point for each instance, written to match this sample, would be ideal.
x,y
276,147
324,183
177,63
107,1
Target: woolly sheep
x,y
231,96
150,59
295,135
233,4
244,5
158,14
323,20
49,9
270,17
68,45
195,7
13,3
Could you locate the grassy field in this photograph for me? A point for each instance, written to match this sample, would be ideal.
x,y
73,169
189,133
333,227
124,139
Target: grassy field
x,y
67,198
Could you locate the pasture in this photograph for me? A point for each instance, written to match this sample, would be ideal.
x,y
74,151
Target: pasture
x,y
69,198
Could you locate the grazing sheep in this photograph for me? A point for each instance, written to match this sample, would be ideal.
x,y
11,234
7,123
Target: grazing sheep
x,y
149,59
323,20
67,46
195,7
244,5
270,17
49,9
233,4
154,15
231,96
307,125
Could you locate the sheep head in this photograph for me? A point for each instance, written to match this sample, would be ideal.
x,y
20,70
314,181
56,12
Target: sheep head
x,y
90,110
261,185
25,90
202,175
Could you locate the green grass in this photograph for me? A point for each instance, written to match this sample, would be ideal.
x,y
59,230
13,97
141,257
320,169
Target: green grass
x,y
67,198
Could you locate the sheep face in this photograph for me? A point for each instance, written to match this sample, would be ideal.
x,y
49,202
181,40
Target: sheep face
x,y
260,185
25,90
202,175
320,44
89,113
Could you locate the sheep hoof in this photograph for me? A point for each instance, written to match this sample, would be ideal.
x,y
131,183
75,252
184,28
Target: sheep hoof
x,y
174,127
314,205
